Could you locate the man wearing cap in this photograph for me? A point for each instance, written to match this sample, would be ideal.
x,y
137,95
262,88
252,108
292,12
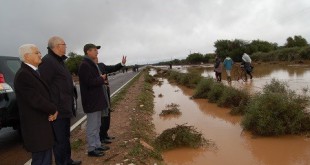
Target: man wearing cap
x,y
94,98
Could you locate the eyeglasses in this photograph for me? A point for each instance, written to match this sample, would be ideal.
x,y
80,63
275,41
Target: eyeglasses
x,y
36,52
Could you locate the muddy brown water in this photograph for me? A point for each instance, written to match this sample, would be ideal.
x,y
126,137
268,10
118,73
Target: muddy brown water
x,y
233,145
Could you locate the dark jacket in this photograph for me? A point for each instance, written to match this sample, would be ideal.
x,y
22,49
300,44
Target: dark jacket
x,y
106,69
91,86
59,80
33,99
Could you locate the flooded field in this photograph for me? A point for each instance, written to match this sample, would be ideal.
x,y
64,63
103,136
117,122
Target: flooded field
x,y
233,145
297,76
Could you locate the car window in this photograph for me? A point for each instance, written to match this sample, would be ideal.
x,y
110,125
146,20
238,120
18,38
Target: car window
x,y
13,65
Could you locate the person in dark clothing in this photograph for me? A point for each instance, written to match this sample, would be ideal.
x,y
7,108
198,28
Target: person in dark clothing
x,y
105,120
218,69
36,109
246,59
94,98
59,80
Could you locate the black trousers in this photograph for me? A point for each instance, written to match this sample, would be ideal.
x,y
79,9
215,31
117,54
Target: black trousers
x,y
62,148
105,126
218,76
42,157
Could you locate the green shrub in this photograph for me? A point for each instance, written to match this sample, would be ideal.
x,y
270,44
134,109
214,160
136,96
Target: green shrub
x,y
180,136
232,97
186,79
216,92
283,54
203,88
306,123
305,53
173,75
195,78
241,109
148,78
276,86
276,111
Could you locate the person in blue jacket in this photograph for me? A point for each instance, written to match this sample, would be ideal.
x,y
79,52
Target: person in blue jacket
x,y
228,64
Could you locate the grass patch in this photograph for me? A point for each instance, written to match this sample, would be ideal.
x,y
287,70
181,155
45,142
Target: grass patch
x,y
77,144
141,125
235,99
277,110
171,109
216,92
141,153
203,88
187,79
180,136
148,78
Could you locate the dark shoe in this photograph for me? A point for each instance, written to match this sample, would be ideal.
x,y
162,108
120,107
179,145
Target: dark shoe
x,y
102,148
77,162
106,141
95,153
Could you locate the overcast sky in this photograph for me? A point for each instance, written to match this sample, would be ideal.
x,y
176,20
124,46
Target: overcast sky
x,y
148,31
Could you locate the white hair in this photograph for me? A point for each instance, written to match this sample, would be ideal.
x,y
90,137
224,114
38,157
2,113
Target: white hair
x,y
24,49
53,41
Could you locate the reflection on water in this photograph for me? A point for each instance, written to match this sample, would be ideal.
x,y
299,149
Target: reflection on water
x,y
233,145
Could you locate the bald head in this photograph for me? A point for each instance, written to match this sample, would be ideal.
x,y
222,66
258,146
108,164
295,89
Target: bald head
x,y
53,41
57,45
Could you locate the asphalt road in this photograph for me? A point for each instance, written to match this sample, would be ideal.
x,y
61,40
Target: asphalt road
x,y
11,149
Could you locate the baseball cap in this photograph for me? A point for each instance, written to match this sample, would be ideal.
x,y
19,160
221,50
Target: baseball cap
x,y
90,46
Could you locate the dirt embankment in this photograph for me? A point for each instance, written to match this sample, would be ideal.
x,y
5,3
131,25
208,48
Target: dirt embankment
x,y
124,148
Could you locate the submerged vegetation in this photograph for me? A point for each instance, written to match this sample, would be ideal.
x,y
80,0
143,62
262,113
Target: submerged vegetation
x,y
180,136
276,110
188,80
171,109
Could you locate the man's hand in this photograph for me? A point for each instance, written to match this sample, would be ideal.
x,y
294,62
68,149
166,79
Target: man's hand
x,y
124,60
53,117
104,76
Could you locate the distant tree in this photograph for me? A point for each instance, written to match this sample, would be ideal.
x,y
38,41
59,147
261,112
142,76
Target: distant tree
x,y
233,49
176,62
73,62
195,58
261,46
207,57
297,41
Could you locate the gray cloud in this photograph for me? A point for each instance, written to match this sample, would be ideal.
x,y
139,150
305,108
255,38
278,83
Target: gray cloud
x,y
149,30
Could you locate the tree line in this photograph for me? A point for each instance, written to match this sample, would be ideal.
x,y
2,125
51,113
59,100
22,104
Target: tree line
x,y
295,48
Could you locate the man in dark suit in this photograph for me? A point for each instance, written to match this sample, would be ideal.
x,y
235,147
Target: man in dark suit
x,y
106,120
35,107
59,80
